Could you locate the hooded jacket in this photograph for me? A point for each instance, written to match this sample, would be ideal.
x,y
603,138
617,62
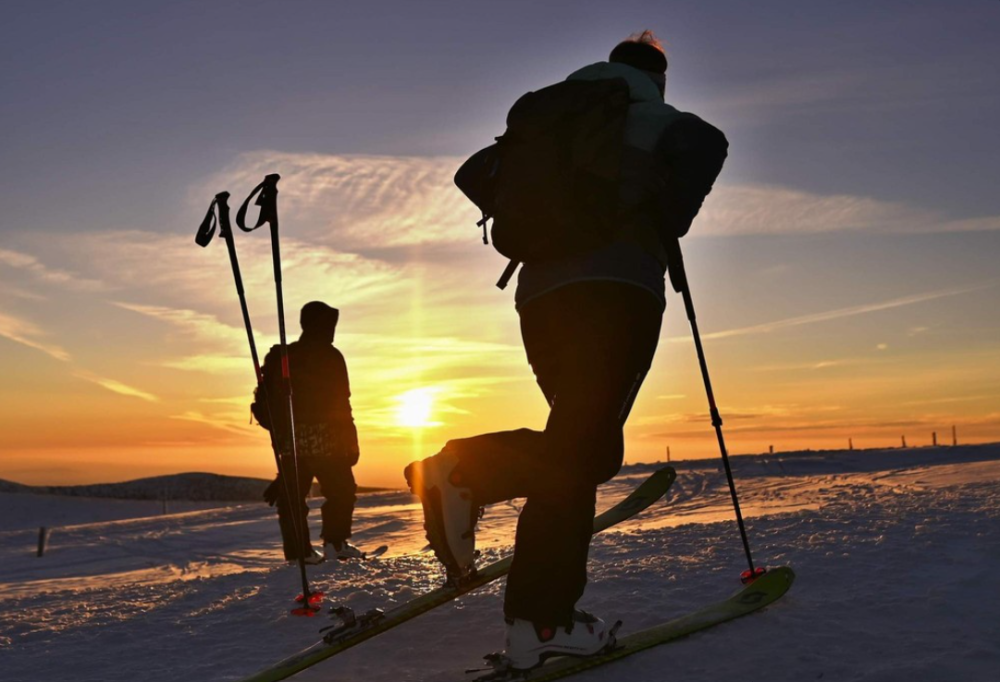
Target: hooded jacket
x,y
322,395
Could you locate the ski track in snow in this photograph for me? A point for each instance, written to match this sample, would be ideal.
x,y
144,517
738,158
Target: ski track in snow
x,y
894,552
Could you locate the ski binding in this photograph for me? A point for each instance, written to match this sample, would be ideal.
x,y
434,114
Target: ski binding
x,y
350,622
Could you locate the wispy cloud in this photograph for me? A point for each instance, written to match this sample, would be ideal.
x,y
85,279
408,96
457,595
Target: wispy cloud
x,y
815,365
763,209
211,364
952,400
201,327
12,291
839,313
31,265
116,386
789,92
363,203
221,422
28,334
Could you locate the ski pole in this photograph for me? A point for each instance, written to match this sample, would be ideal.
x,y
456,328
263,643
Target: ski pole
x,y
218,215
267,199
204,237
678,279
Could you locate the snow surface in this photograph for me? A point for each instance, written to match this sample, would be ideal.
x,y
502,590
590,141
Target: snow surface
x,y
894,552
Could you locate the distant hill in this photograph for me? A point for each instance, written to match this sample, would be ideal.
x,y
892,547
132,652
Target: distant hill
x,y
189,486
11,487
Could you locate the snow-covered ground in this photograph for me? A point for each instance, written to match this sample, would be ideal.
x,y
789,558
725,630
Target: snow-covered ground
x,y
895,553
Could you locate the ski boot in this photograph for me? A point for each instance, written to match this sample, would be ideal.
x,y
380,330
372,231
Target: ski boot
x,y
529,644
449,513
313,557
344,551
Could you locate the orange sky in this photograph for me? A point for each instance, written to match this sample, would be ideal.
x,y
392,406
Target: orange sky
x,y
844,268
124,353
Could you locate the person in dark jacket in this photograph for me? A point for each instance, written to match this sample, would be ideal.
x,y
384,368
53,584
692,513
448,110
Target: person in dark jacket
x,y
590,322
325,435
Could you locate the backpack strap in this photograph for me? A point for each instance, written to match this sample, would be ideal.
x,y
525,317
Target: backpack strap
x,y
508,272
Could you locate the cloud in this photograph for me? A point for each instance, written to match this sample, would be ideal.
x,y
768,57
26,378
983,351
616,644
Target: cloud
x,y
163,270
116,386
787,92
17,292
839,313
210,364
947,401
220,422
31,265
200,327
26,333
813,366
361,202
751,209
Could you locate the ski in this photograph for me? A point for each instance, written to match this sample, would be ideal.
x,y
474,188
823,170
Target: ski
x,y
356,628
766,589
375,553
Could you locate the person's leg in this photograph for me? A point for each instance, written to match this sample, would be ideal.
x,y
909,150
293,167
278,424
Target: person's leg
x,y
590,345
299,508
336,480
497,466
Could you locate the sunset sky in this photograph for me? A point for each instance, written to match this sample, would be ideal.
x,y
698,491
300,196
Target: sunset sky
x,y
845,269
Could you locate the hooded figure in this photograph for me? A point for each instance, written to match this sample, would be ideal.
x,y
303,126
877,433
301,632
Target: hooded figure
x,y
325,436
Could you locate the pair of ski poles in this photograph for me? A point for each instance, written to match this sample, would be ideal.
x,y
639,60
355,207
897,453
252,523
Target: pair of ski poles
x,y
218,214
267,194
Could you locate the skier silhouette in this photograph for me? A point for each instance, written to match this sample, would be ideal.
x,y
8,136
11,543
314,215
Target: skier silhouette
x,y
325,434
590,323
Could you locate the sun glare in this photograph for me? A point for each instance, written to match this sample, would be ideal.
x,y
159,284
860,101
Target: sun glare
x,y
415,407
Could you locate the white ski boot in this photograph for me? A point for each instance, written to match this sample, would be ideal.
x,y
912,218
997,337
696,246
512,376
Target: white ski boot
x,y
312,558
449,515
344,551
528,644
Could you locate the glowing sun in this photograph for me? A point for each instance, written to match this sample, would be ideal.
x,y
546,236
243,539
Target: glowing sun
x,y
415,407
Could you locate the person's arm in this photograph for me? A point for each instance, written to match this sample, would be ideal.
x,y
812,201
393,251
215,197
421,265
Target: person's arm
x,y
689,157
342,416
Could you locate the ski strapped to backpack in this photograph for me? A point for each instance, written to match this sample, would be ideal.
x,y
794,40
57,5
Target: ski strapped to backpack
x,y
550,183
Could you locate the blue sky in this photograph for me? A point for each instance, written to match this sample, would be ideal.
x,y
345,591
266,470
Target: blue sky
x,y
845,266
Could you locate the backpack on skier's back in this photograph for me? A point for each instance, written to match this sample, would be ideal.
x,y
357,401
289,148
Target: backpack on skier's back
x,y
550,183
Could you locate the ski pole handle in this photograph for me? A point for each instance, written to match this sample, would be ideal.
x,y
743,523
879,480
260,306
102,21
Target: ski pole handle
x,y
267,198
675,265
678,275
207,228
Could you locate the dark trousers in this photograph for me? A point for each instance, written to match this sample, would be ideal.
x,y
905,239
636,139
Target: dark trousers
x,y
337,485
590,346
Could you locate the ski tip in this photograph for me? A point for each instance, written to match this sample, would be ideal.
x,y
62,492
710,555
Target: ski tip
x,y
667,471
377,552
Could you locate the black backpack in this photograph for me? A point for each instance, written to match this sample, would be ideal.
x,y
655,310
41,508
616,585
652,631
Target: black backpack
x,y
259,408
550,183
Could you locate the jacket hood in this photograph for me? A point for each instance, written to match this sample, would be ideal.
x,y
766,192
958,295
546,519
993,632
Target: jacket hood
x,y
641,87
